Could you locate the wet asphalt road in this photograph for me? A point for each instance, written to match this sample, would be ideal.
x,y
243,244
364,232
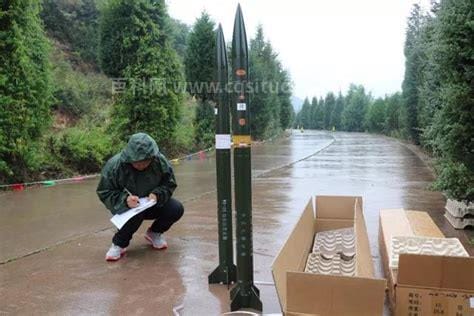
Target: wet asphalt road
x,y
55,238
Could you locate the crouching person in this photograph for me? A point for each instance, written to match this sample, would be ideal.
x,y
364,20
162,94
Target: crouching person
x,y
141,169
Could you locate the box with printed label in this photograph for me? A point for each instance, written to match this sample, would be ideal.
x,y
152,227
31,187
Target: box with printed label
x,y
424,282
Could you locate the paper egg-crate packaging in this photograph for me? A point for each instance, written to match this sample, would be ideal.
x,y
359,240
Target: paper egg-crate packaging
x,y
325,266
333,253
427,273
459,215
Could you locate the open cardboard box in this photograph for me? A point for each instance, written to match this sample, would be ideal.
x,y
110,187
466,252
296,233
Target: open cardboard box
x,y
302,293
424,284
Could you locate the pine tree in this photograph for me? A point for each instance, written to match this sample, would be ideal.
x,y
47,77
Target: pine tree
x,y
336,115
356,106
180,34
375,116
25,87
411,83
314,115
305,115
200,57
329,105
287,113
452,131
124,31
204,125
264,73
317,116
429,90
392,114
151,102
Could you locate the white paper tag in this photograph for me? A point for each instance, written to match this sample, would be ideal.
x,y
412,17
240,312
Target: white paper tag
x,y
222,141
216,111
241,106
471,302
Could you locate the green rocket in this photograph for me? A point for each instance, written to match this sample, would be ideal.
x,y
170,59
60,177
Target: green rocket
x,y
226,271
244,294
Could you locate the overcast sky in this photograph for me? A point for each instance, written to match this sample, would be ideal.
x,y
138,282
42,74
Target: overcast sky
x,y
325,44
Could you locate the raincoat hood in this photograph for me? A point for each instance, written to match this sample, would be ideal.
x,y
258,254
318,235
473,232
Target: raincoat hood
x,y
140,147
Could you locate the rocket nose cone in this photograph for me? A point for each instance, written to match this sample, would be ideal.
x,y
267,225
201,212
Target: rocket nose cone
x,y
220,40
239,25
239,9
239,17
221,49
220,34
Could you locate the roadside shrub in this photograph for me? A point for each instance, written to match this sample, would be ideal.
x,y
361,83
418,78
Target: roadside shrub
x,y
84,151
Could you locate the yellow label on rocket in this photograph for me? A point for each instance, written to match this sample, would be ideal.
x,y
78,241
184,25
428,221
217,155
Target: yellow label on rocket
x,y
241,140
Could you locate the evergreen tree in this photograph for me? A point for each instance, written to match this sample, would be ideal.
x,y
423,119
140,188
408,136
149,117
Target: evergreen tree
x,y
356,106
204,125
124,31
336,115
317,117
200,57
411,83
25,87
314,115
287,113
264,73
150,102
329,105
375,117
429,90
179,36
304,114
392,114
452,131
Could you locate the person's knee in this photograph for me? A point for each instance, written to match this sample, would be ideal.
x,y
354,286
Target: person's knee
x,y
178,210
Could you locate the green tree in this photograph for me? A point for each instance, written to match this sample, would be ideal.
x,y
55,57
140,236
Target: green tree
x,y
200,57
179,36
392,114
375,116
411,83
304,115
264,74
124,31
150,102
314,115
25,87
329,105
429,90
287,113
317,113
357,102
336,115
452,131
204,125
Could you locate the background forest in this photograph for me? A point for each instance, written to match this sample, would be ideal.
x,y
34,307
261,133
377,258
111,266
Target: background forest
x,y
78,77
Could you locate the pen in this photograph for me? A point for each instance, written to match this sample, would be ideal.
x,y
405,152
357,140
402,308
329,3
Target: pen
x,y
130,193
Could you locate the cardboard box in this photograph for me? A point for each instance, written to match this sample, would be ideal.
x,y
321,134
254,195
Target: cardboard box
x,y
303,293
424,284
